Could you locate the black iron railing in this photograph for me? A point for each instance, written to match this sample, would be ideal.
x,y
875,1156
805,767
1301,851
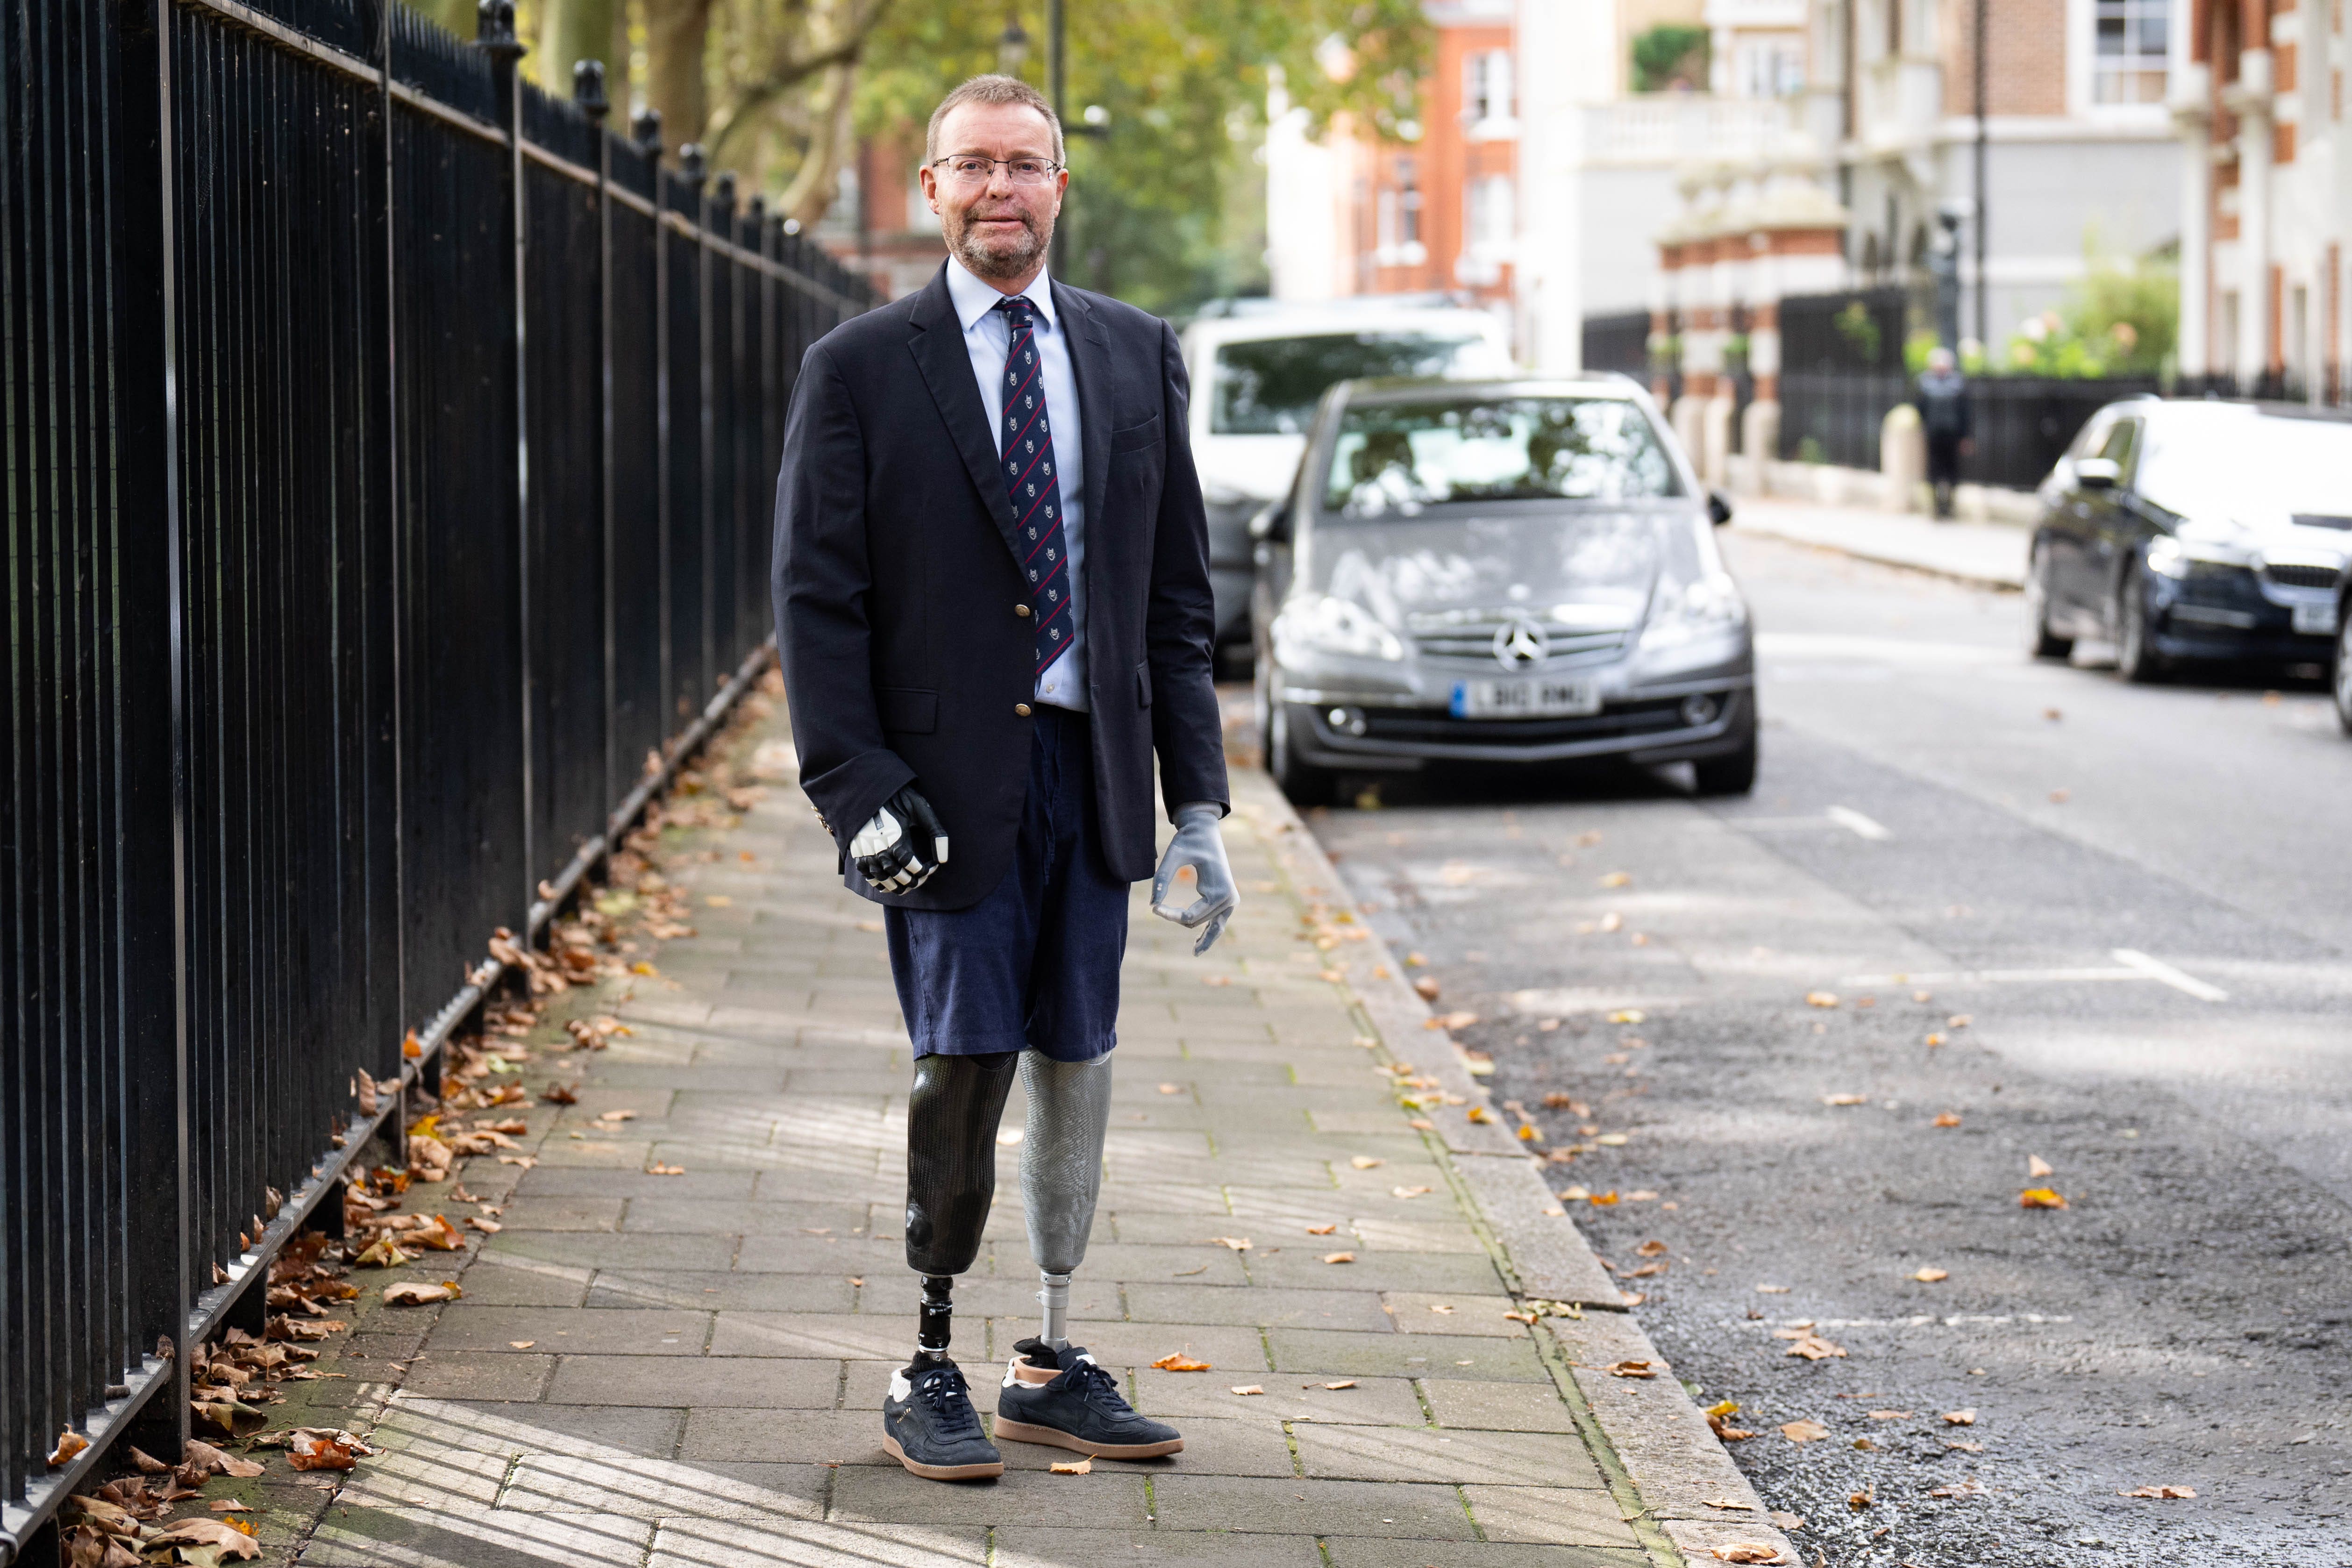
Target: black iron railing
x,y
388,456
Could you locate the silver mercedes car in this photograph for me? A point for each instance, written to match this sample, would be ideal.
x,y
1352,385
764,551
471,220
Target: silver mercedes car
x,y
1517,570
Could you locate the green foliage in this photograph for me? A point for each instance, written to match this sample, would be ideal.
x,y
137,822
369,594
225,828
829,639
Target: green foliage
x,y
1672,54
1916,347
2115,320
1856,326
1155,211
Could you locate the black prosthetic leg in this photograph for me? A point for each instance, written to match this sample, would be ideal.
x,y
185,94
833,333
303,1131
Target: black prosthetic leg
x,y
953,1113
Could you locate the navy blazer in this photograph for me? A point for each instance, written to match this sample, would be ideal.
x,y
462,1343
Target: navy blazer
x,y
897,579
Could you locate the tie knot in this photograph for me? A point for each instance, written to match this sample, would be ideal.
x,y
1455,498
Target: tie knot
x,y
1019,309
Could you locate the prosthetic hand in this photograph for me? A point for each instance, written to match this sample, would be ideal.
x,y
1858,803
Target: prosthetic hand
x,y
905,843
1198,844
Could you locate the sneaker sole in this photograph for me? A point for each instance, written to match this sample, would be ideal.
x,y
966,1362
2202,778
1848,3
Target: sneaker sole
x,y
1022,1432
943,1472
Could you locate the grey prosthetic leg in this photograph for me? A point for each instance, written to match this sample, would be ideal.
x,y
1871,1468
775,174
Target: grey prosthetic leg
x,y
1061,1174
953,1112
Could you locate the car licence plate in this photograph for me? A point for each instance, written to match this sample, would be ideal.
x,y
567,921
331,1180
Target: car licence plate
x,y
1525,699
2318,620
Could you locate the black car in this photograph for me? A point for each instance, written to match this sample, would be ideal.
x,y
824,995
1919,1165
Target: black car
x,y
1518,571
2187,530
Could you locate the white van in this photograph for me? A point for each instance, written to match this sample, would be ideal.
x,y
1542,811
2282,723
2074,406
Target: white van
x,y
1258,369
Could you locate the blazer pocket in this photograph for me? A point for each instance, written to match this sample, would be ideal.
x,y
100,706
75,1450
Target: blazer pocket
x,y
1136,437
1143,684
907,710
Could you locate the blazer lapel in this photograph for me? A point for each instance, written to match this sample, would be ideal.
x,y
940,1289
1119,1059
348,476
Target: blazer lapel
x,y
937,344
1090,362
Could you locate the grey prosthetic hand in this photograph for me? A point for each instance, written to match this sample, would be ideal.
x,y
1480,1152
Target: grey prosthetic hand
x,y
906,842
1200,845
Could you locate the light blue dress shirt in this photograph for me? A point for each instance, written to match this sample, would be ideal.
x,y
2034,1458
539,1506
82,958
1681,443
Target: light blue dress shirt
x,y
988,338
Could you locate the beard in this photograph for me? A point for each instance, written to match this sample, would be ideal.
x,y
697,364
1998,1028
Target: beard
x,y
996,256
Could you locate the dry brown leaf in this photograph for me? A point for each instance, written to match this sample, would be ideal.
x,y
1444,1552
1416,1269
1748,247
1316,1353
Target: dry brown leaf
x,y
1177,1361
1339,1258
1651,1248
439,1235
1172,1088
487,1226
1408,1192
1959,1417
658,1169
147,1464
1947,1119
87,1547
1812,1347
69,1442
1803,1431
1366,1162
1237,1243
1634,1368
1890,1415
1820,999
1748,1552
409,1293
1343,1383
1427,986
1968,1487
1321,1229
520,1345
1247,1388
2037,1167
616,1116
1964,1446
1727,1504
1075,1468
1931,1275
559,1094
382,1253
231,1541
1860,1501
2041,1199
218,1462
1845,1099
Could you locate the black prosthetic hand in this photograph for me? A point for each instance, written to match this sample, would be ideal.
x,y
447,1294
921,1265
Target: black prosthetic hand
x,y
953,1113
904,843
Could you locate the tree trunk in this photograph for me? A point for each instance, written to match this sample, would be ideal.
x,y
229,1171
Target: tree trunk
x,y
818,181
676,38
576,30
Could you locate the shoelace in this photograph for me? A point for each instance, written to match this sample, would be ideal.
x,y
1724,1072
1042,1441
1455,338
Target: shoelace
x,y
1092,1383
949,1399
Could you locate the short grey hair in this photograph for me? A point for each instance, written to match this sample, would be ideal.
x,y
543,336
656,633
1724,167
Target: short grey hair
x,y
993,89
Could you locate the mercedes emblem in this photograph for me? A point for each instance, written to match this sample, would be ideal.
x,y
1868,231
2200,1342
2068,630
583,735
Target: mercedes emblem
x,y
1520,642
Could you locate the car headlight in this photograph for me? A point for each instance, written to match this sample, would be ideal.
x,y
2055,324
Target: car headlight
x,y
1683,612
2170,555
1323,624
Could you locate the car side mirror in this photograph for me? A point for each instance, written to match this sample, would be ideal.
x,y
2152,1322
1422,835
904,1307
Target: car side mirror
x,y
2096,473
1272,524
1718,508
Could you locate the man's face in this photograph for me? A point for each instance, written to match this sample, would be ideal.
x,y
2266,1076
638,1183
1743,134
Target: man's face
x,y
997,229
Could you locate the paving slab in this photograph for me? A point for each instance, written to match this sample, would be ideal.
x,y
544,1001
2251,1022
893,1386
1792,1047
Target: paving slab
x,y
685,1370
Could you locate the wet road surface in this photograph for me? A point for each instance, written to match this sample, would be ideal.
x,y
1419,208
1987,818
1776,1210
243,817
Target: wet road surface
x,y
2080,936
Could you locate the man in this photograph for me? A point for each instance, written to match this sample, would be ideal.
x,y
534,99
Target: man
x,y
1943,417
993,603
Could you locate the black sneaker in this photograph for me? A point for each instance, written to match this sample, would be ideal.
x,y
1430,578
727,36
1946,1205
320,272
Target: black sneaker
x,y
929,1426
1079,1409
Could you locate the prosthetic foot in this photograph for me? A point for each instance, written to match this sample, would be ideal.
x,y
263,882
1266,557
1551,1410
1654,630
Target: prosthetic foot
x,y
1063,1398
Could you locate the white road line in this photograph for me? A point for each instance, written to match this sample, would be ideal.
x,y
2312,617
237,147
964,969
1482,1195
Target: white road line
x,y
1847,817
2157,969
1996,977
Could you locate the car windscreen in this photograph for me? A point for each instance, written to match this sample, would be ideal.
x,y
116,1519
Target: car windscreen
x,y
1269,386
1395,458
2244,464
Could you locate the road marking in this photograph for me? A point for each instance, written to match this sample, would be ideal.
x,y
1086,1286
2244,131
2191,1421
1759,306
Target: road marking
x,y
2157,970
1847,817
1995,977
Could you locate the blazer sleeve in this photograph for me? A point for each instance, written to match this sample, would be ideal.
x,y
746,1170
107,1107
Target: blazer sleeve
x,y
821,580
1180,620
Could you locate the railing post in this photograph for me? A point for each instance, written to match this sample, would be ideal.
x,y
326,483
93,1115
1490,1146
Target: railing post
x,y
648,129
696,169
588,93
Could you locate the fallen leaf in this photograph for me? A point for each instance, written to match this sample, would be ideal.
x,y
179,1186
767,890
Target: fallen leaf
x,y
1634,1368
561,1094
1746,1553
1860,1501
1407,1191
1075,1468
1772,1290
1812,1347
439,1235
1890,1415
1651,1248
1845,1099
660,1169
1820,999
382,1253
1440,1307
1366,1162
69,1442
1947,1119
487,1226
520,1345
1787,1520
147,1464
1618,879
1803,1431
1339,1258
1964,1445
1959,1417
1247,1388
1479,1113
215,1461
1172,1088
1343,1383
1427,986
1613,1139
1931,1275
1603,1200
408,1293
1629,1016
229,1540
616,1116
1968,1487
1321,1229
2040,1198
1177,1361
2036,1166
1237,1243
1866,1444
1728,1505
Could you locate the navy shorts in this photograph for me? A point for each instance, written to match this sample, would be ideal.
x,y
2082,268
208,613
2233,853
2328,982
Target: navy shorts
x,y
1034,964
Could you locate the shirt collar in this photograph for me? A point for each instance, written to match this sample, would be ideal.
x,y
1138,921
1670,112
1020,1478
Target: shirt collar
x,y
974,298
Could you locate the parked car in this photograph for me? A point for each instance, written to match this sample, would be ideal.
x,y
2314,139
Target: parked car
x,y
1498,571
2184,530
1257,375
2343,682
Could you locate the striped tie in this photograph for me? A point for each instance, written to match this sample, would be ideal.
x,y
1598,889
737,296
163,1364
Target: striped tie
x,y
1036,495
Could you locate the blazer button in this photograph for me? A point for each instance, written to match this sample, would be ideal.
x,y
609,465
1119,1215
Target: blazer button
x,y
1022,610
1020,709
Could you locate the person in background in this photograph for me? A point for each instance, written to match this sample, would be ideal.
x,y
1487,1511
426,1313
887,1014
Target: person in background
x,y
1944,416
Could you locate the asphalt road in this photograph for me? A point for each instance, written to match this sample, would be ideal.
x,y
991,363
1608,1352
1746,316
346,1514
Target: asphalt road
x,y
2125,913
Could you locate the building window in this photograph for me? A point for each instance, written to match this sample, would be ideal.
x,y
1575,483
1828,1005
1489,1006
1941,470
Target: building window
x,y
1489,218
2128,59
1408,202
1768,68
1486,86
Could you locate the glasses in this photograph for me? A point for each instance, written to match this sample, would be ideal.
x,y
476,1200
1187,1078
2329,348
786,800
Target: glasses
x,y
970,169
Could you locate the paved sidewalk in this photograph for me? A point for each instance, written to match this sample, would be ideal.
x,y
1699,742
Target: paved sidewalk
x,y
1989,553
685,1371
